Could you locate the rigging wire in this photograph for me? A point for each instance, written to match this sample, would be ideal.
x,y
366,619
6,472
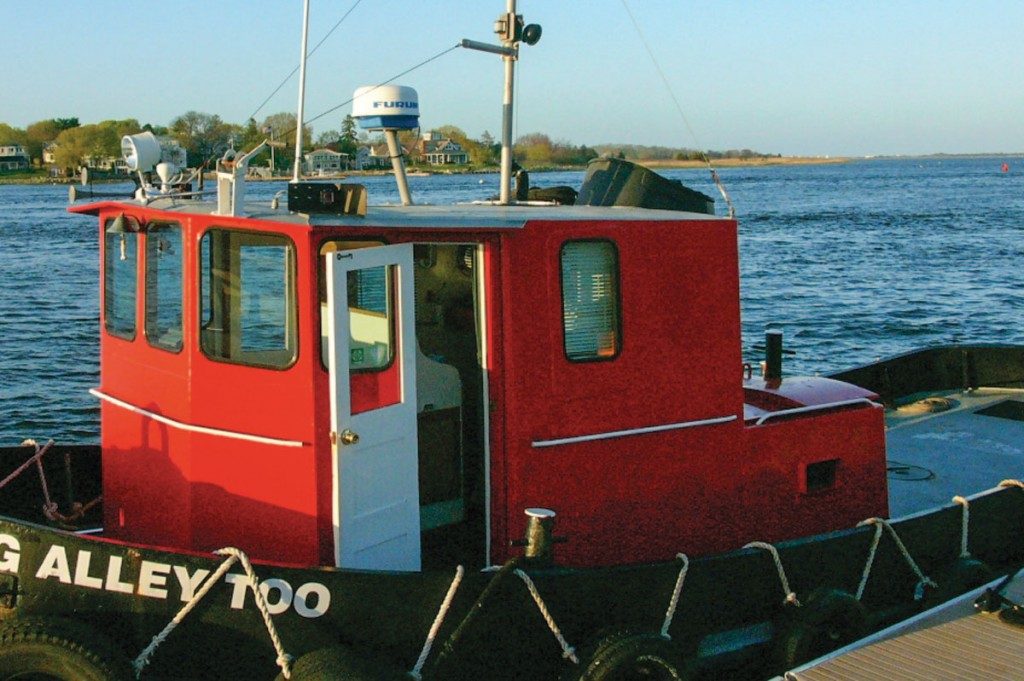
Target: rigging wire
x,y
310,54
378,85
389,80
714,173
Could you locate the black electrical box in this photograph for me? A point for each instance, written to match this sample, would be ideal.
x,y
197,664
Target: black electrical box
x,y
334,198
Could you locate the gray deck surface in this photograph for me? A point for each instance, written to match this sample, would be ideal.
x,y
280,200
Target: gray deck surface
x,y
964,452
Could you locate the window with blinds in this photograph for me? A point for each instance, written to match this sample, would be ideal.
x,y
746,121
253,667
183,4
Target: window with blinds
x,y
590,300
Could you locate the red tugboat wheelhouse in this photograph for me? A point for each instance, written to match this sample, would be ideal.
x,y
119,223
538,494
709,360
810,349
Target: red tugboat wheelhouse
x,y
375,403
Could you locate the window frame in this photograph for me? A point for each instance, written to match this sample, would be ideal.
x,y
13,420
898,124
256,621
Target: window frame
x,y
181,287
617,272
293,271
107,284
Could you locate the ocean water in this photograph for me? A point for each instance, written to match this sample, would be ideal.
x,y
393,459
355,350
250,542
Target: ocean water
x,y
853,261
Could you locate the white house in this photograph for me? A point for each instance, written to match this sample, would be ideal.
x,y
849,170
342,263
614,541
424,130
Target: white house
x,y
13,157
325,161
439,150
49,153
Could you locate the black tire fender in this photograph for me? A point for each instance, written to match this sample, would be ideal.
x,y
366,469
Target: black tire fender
x,y
341,662
59,649
631,654
829,619
963,575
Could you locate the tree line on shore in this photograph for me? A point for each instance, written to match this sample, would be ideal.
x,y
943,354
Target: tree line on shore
x,y
205,136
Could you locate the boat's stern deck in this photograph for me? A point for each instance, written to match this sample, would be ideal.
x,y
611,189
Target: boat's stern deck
x,y
953,443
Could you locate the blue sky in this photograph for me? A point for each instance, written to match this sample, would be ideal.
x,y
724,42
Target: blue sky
x,y
791,77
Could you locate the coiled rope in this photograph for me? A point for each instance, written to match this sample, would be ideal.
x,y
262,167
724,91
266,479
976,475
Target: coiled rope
x,y
234,555
568,652
674,601
879,524
438,620
790,598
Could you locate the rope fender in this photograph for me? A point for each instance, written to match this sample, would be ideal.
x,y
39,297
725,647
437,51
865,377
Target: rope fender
x,y
568,652
416,672
790,598
234,555
673,602
880,524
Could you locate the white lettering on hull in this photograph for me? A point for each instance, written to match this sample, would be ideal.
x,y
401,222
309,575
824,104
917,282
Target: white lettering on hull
x,y
309,600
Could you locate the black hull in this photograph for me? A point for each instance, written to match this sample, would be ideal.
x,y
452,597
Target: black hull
x,y
494,629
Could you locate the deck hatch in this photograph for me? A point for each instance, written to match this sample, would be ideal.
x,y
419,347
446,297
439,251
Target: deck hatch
x,y
1007,409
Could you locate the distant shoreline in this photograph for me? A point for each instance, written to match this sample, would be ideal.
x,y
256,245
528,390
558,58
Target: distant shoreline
x,y
655,164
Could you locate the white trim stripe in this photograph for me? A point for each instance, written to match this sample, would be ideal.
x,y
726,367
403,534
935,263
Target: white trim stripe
x,y
194,429
816,407
633,431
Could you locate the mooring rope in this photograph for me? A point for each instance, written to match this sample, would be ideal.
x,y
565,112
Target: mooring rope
x,y
674,601
1012,483
438,620
568,651
234,555
50,508
879,524
790,594
964,525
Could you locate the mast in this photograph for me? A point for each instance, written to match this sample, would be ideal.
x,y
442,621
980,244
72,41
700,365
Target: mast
x,y
302,93
511,30
508,41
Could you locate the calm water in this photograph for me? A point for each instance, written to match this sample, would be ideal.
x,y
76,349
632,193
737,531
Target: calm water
x,y
854,261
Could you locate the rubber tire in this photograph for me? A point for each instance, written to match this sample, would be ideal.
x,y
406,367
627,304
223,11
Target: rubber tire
x,y
830,619
962,576
626,655
43,648
341,662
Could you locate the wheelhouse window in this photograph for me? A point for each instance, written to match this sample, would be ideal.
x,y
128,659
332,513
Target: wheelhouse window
x,y
120,269
164,286
247,298
590,300
371,346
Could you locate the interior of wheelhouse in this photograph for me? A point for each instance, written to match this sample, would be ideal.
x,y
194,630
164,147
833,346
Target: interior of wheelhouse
x,y
449,385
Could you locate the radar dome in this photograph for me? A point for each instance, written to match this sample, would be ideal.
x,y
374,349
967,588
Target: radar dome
x,y
386,107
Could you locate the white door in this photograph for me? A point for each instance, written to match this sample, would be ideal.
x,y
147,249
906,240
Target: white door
x,y
376,471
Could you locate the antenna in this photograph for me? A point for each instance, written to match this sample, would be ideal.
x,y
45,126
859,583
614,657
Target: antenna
x,y
510,29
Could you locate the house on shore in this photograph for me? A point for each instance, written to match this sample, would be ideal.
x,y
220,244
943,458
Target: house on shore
x,y
436,149
13,157
325,162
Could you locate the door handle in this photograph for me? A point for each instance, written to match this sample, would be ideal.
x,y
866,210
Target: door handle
x,y
349,437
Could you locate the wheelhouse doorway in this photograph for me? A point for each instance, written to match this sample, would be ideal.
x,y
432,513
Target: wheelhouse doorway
x,y
402,335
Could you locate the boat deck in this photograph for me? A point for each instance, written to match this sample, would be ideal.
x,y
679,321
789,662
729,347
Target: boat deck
x,y
963,450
